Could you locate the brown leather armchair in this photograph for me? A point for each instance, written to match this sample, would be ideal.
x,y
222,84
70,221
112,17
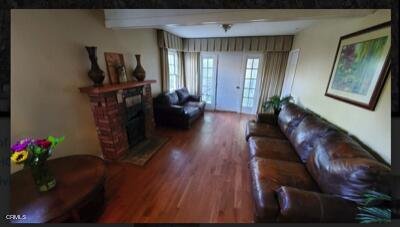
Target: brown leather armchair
x,y
178,109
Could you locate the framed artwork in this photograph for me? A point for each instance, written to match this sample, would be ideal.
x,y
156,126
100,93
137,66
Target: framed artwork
x,y
361,66
114,62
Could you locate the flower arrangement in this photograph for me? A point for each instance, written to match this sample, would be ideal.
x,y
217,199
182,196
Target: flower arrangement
x,y
33,153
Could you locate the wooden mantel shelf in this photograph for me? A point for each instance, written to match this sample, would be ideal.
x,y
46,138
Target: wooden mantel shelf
x,y
114,87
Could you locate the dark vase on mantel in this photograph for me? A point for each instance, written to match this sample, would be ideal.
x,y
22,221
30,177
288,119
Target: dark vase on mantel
x,y
95,73
139,72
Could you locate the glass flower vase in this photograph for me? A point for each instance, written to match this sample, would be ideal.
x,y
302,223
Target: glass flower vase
x,y
43,178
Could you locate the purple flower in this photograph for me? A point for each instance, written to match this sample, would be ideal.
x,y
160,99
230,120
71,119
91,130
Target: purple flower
x,y
20,145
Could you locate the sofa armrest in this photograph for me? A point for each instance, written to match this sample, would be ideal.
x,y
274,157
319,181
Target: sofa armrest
x,y
298,205
194,98
268,118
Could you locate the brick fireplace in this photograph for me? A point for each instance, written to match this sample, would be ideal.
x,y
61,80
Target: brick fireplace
x,y
116,119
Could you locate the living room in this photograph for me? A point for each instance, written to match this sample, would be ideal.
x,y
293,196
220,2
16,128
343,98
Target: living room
x,y
195,155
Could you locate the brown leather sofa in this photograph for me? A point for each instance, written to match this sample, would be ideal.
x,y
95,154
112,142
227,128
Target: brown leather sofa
x,y
304,169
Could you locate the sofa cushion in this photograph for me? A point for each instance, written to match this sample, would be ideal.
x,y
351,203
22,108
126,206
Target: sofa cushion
x,y
201,105
340,166
172,98
298,205
305,135
269,148
267,176
183,95
290,117
264,130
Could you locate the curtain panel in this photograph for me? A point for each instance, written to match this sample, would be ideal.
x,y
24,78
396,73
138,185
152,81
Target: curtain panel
x,y
192,72
181,70
272,76
167,41
164,70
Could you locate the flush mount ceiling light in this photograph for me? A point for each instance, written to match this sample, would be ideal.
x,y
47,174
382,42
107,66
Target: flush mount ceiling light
x,y
211,22
226,27
258,20
172,25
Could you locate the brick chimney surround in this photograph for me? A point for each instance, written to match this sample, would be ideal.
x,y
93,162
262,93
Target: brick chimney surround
x,y
109,114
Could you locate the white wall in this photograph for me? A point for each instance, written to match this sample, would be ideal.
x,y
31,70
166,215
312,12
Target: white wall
x,y
49,63
318,46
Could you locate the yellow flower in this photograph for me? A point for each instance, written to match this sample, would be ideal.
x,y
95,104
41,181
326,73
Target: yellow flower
x,y
19,157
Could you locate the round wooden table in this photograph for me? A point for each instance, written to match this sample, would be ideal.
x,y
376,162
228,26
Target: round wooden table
x,y
77,197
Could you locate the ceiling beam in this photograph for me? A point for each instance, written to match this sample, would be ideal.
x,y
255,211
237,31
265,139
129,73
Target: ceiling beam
x,y
157,18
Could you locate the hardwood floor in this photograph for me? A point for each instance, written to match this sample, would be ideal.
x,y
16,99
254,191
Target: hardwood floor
x,y
199,176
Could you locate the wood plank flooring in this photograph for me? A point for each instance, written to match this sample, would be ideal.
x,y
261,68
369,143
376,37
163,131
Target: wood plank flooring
x,y
199,176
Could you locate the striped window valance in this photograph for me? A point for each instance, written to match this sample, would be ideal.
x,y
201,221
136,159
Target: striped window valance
x,y
169,41
255,43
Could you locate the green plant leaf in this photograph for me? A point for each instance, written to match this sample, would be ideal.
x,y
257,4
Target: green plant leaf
x,y
373,214
275,103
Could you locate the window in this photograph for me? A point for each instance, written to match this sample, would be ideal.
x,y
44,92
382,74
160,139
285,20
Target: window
x,y
173,70
207,79
250,81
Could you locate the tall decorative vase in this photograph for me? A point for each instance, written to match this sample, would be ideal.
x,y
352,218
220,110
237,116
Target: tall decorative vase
x,y
44,180
139,72
95,73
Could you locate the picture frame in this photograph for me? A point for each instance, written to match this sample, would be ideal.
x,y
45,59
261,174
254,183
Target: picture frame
x,y
113,62
361,66
123,78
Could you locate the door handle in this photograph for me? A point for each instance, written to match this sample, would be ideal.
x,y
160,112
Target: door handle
x,y
237,87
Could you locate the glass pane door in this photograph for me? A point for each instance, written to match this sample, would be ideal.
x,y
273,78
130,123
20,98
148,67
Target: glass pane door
x,y
250,86
208,79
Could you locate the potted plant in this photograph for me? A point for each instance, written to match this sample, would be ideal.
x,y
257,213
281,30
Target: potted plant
x,y
275,103
34,153
375,208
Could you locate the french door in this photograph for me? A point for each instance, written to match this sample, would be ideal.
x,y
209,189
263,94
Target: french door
x,y
230,81
229,75
251,83
208,78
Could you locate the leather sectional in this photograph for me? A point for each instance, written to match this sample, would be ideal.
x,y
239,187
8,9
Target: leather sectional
x,y
304,169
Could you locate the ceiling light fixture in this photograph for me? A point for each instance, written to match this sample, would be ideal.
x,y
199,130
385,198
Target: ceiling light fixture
x,y
211,22
226,27
258,20
172,25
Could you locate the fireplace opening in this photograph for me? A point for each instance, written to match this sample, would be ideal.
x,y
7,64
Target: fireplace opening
x,y
134,117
